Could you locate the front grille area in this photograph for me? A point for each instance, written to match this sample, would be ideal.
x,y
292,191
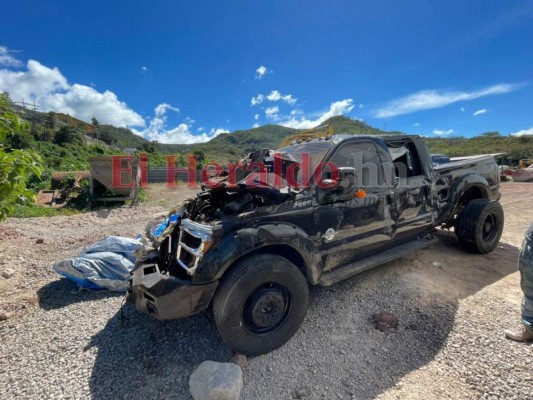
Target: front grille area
x,y
192,243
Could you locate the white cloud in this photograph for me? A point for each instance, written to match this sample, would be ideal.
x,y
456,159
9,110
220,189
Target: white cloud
x,y
272,112
33,83
336,108
480,112
428,99
257,100
277,96
361,105
256,116
144,70
157,129
416,124
523,132
256,125
83,102
439,132
7,59
215,132
296,111
274,96
51,92
162,109
262,71
462,109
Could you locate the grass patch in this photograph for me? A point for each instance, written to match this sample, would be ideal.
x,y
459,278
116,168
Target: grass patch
x,y
33,211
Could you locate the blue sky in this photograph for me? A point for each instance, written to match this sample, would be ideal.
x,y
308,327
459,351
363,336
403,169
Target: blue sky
x,y
183,72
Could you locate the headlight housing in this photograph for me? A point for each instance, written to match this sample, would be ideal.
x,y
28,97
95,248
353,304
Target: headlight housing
x,y
194,241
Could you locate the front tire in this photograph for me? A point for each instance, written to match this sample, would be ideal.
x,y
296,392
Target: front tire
x,y
260,304
479,226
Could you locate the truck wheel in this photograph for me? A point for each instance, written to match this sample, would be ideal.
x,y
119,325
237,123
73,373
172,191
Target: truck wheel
x,y
479,226
260,304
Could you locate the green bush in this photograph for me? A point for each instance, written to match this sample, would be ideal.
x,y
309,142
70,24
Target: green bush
x,y
16,165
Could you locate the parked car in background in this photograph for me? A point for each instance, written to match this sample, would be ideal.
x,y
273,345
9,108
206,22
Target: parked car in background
x,y
440,159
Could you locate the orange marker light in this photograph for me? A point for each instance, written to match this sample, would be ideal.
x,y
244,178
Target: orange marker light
x,y
360,194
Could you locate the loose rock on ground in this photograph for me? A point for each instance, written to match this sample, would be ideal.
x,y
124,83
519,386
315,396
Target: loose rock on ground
x,y
216,381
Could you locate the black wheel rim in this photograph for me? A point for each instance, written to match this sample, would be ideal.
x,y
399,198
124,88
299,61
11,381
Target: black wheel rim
x,y
267,308
490,228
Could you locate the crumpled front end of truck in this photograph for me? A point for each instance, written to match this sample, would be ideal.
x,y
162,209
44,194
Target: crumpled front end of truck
x,y
163,280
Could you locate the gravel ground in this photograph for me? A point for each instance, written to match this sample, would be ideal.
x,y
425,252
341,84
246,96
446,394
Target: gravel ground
x,y
452,308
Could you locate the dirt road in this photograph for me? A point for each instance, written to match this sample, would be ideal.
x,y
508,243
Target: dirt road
x,y
452,308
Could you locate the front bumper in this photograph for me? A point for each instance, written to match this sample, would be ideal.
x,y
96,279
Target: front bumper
x,y
172,298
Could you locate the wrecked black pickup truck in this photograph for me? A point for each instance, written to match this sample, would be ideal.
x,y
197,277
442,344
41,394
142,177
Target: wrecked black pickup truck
x,y
252,248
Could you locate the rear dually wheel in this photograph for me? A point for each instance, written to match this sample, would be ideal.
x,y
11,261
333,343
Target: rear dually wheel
x,y
479,226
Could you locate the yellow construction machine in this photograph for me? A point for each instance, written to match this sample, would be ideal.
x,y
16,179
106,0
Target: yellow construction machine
x,y
525,163
308,134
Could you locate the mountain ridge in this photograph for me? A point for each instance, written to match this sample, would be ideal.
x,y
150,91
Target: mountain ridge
x,y
233,146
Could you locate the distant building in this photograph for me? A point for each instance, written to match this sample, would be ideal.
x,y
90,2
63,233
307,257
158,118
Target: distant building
x,y
130,150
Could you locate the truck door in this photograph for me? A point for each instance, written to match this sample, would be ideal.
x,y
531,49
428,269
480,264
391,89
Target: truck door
x,y
355,220
411,205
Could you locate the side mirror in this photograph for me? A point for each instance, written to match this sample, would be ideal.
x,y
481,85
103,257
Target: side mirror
x,y
344,183
330,183
347,177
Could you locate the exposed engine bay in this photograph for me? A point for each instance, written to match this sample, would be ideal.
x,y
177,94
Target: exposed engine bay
x,y
225,200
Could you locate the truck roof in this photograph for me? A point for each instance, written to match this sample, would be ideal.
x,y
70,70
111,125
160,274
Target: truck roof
x,y
383,137
337,138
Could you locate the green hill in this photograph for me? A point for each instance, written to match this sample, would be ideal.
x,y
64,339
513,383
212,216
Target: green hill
x,y
233,146
106,139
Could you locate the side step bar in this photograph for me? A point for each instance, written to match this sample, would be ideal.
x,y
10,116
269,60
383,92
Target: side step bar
x,y
341,273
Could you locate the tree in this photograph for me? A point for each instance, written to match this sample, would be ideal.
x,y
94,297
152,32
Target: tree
x,y
94,121
200,155
20,140
66,135
149,147
491,134
50,120
16,165
106,137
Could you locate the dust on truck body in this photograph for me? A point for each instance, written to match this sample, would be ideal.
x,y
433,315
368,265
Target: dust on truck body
x,y
252,248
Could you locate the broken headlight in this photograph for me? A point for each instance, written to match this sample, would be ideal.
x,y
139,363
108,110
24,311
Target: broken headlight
x,y
194,241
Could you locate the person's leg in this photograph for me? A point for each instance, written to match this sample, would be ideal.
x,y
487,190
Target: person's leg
x,y
525,266
525,332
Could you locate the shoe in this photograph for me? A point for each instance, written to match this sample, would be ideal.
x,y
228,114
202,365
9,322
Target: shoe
x,y
522,334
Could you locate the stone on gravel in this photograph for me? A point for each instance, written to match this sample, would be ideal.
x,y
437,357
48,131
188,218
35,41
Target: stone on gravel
x,y
216,381
3,316
300,393
39,241
8,273
238,359
436,264
385,321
